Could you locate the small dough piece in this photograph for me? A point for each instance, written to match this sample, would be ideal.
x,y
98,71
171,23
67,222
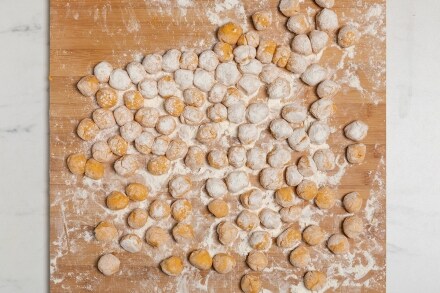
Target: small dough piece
x,y
102,71
280,129
181,209
88,85
338,244
223,263
325,199
218,208
319,132
314,74
327,20
249,84
289,238
173,106
102,152
266,50
290,214
106,98
158,165
156,236
356,130
176,150
251,283
148,88
285,196
103,118
324,160
237,156
227,73
87,129
227,232
313,235
195,158
160,145
137,191
217,112
353,226
179,186
127,165
94,169
307,190
105,231
123,115
184,78
201,259
271,178
253,67
260,240
137,218
217,93
319,40
325,3
248,133
269,73
203,79
262,19
327,89
117,201
166,125
136,72
159,209
207,133
223,51
189,60
130,131
194,97
118,145
237,112
289,7
257,260
236,181
152,63
348,36
352,202
300,257
281,56
183,232
119,80
171,60
131,243
293,176
314,280
256,158
294,113
233,96
172,266
301,44
167,87
244,54
297,63
279,89
218,159
208,60
252,199
108,264
77,163
251,38
278,157
247,220
306,166
229,33
192,116
270,218
216,187
298,24
257,112
322,109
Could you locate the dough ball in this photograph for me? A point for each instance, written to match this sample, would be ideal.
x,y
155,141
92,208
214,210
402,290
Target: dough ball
x,y
123,115
218,159
229,33
297,63
257,260
160,145
314,74
281,56
307,190
271,178
171,60
300,257
137,191
179,186
298,24
236,181
269,73
356,130
318,40
252,199
324,160
253,67
94,169
327,89
270,218
152,63
266,50
217,93
189,60
208,60
278,157
325,3
260,240
131,243
167,87
88,85
87,129
294,113
285,196
301,44
248,133
127,165
120,80
306,166
192,116
233,96
256,158
77,163
218,208
181,209
216,187
217,112
195,158
223,51
223,263
102,152
325,199
290,214
322,109
251,283
314,280
289,7
173,106
203,79
237,156
249,84
102,71
137,218
237,112
106,98
257,112
183,233
289,238
247,220
176,150
251,38
319,132
172,266
338,244
108,264
280,129
327,20
156,236
184,78
148,88
158,165
201,259
348,36
262,19
227,233
118,145
136,72
117,201
352,202
353,226
166,125
279,89
313,235
227,73
207,133
130,131
103,118
293,176
105,231
194,97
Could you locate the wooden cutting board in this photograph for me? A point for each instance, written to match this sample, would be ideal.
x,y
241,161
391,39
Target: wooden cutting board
x,y
84,32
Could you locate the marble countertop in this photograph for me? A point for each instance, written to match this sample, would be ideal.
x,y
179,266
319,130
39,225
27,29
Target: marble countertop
x,y
413,191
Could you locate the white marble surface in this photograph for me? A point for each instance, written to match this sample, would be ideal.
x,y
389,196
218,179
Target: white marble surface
x,y
413,143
